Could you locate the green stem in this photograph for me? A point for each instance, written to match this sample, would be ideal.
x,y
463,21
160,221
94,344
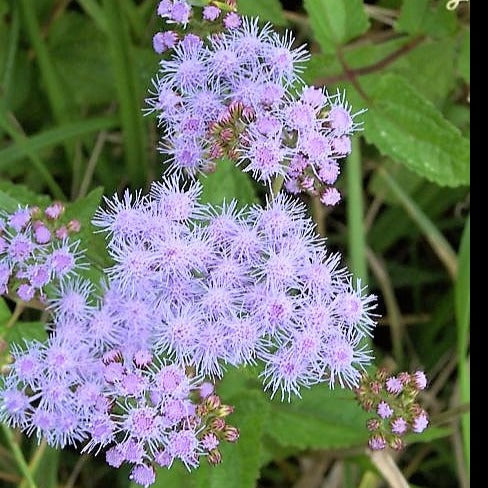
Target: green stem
x,y
19,457
355,213
463,300
277,184
35,462
93,9
127,90
438,242
19,308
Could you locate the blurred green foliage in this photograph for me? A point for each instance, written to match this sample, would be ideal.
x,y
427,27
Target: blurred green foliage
x,y
73,78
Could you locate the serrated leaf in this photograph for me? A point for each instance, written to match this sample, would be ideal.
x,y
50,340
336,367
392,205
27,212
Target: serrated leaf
x,y
321,419
335,22
409,129
226,183
420,17
430,68
266,10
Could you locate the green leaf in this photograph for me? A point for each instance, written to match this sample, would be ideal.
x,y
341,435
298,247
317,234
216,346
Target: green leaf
x,y
335,22
428,435
54,136
419,17
4,312
463,64
7,203
79,54
23,331
430,68
83,211
226,183
266,10
408,128
321,419
14,195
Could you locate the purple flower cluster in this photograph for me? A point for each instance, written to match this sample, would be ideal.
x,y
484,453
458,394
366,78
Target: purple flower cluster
x,y
393,400
209,287
35,250
239,94
179,14
85,385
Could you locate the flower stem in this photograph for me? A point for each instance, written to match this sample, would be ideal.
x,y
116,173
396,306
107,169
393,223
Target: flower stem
x,y
277,185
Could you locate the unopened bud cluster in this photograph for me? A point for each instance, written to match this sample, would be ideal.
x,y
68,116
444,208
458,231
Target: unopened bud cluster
x,y
393,400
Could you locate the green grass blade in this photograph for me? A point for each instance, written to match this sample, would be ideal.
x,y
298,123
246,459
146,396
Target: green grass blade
x,y
21,141
462,296
31,145
126,88
355,213
93,9
438,242
19,457
52,85
11,53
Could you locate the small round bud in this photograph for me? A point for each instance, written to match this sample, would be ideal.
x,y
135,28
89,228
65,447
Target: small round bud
x,y
74,226
212,402
206,389
419,380
218,425
397,444
231,434
214,457
225,410
376,387
382,374
62,232
54,211
384,410
373,424
377,442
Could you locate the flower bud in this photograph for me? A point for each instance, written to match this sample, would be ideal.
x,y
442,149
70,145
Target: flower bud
x,y
214,457
74,225
382,374
218,425
397,444
377,442
54,211
419,380
376,387
212,402
225,410
62,232
373,424
231,434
